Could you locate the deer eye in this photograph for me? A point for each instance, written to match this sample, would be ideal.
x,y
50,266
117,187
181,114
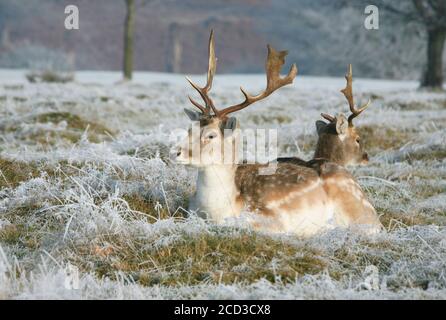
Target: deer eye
x,y
357,140
211,136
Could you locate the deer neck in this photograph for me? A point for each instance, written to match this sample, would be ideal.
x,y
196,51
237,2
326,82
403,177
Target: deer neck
x,y
216,196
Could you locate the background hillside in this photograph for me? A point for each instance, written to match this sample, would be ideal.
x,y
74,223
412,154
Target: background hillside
x,y
171,36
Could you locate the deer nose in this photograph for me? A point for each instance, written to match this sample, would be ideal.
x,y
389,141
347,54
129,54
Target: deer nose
x,y
365,158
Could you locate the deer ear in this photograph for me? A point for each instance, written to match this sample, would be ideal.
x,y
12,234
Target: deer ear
x,y
341,124
320,126
193,115
231,123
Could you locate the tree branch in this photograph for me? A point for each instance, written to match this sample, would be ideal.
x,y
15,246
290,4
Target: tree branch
x,y
406,15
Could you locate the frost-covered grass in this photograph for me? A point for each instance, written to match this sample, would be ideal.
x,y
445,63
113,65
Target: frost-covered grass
x,y
85,179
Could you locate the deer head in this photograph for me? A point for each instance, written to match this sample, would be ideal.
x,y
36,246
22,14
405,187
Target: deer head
x,y
216,128
338,140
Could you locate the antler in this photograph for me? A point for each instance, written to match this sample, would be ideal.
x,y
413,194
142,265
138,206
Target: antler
x,y
328,117
348,93
212,66
274,63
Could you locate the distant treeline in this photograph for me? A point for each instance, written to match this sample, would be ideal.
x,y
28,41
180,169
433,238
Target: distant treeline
x,y
171,36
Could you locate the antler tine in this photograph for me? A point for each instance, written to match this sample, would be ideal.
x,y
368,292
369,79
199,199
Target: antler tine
x,y
348,93
212,66
274,63
328,117
199,106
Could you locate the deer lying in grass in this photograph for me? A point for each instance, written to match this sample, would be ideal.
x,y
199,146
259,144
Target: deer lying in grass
x,y
292,199
339,145
338,140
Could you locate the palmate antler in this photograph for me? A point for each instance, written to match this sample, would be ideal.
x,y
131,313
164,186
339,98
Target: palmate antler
x,y
348,93
273,65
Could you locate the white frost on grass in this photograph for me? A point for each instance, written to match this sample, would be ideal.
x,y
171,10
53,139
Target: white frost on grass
x,y
83,198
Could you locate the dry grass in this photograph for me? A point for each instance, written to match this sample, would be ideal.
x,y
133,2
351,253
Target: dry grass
x,y
259,119
102,213
140,203
213,258
438,154
391,219
379,254
76,126
15,172
21,232
377,138
20,235
49,76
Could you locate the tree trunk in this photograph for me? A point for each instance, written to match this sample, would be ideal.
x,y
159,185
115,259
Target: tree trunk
x,y
433,78
174,49
128,39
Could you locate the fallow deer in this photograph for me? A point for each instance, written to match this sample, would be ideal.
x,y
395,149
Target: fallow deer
x,y
339,145
292,199
339,140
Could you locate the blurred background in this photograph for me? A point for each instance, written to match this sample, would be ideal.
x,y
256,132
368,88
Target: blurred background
x,y
171,36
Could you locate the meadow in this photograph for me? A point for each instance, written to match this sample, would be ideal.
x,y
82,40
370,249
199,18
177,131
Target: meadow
x,y
86,181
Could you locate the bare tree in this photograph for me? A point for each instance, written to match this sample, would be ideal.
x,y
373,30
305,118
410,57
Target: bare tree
x,y
129,31
129,28
432,15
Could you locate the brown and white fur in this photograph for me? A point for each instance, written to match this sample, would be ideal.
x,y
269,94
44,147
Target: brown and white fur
x,y
339,145
298,199
293,199
339,140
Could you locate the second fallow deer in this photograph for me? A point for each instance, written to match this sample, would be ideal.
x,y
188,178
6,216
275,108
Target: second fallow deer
x,y
339,145
292,199
338,140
